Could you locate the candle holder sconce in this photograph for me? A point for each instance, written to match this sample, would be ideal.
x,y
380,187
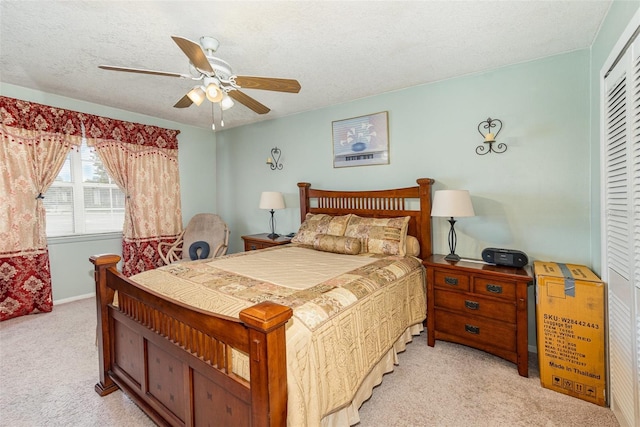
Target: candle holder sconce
x,y
274,160
490,137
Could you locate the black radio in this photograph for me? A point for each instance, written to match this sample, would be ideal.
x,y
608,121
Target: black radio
x,y
506,257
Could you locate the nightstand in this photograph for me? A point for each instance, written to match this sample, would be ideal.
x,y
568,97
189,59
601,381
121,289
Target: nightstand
x,y
479,305
253,242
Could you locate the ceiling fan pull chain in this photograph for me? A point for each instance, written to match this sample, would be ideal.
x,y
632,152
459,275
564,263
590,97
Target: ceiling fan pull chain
x,y
213,119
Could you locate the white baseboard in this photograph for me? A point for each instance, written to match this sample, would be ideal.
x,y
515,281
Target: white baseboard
x,y
533,349
71,299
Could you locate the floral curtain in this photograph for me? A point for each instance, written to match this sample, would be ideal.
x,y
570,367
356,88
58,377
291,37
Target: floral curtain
x,y
143,161
35,142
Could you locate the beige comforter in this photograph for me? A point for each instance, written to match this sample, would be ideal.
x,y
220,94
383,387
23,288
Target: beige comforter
x,y
348,312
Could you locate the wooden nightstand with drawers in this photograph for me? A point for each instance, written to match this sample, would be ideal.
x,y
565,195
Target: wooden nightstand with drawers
x,y
479,305
253,242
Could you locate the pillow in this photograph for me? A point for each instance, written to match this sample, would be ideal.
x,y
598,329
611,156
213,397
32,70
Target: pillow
x,y
386,236
320,224
199,245
337,244
413,246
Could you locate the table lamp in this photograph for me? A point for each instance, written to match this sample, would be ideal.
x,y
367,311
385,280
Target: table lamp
x,y
450,204
272,200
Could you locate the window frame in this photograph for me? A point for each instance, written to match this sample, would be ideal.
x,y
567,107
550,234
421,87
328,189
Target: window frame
x,y
78,186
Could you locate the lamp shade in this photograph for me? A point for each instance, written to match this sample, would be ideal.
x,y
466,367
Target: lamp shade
x,y
452,203
196,95
271,200
213,92
226,102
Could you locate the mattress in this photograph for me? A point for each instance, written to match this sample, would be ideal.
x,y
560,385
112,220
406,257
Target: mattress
x,y
351,313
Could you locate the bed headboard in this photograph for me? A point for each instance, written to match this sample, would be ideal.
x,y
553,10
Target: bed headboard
x,y
378,204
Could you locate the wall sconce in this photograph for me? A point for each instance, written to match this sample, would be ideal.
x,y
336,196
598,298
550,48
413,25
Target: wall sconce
x,y
274,160
490,137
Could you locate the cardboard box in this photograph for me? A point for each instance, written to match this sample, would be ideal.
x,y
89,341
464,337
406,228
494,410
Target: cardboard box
x,y
571,330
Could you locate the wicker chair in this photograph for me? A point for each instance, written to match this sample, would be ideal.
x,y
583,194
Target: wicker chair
x,y
206,236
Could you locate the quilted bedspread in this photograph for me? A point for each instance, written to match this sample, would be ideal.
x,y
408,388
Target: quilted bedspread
x,y
348,311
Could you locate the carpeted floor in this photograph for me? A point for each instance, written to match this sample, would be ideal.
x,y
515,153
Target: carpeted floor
x,y
49,365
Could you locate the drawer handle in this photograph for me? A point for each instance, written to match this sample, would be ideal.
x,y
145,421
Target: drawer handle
x,y
253,247
472,329
451,281
472,305
496,289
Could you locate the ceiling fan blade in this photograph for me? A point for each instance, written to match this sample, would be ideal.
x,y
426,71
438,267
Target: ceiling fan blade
x,y
194,52
184,102
142,71
249,102
267,83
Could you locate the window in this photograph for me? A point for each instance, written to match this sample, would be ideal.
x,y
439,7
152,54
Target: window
x,y
83,199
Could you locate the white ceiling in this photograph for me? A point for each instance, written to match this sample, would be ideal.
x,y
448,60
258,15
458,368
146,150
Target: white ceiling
x,y
338,50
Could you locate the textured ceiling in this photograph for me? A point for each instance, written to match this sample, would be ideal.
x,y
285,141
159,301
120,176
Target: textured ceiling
x,y
338,51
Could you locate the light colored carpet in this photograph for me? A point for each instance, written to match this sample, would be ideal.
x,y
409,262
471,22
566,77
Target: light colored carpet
x,y
49,365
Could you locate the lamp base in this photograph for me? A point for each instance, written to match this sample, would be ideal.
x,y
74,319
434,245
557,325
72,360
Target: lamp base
x,y
273,236
452,257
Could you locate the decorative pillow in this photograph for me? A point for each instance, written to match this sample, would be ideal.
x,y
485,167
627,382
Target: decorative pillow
x,y
320,224
337,244
379,235
413,246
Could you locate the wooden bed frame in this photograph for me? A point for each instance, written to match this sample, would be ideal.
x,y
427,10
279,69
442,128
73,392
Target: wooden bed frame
x,y
174,361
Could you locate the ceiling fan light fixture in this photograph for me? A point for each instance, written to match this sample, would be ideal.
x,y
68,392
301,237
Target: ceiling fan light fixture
x,y
197,95
226,102
214,94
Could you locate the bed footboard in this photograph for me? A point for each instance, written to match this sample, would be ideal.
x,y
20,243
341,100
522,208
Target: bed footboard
x,y
175,361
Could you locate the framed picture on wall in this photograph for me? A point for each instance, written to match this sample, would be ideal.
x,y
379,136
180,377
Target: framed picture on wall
x,y
361,141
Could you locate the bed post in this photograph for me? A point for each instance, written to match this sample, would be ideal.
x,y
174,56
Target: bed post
x,y
304,199
425,216
268,361
104,297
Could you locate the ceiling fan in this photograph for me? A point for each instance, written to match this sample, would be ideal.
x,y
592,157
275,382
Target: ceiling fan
x,y
216,81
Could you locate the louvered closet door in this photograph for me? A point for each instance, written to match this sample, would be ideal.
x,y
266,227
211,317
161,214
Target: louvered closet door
x,y
635,159
622,227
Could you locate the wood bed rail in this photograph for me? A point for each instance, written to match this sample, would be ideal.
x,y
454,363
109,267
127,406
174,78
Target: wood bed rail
x,y
208,338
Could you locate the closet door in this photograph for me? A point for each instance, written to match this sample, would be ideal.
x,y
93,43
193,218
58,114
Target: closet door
x,y
621,157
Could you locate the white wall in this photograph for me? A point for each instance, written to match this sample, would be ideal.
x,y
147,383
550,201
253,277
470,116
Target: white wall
x,y
69,257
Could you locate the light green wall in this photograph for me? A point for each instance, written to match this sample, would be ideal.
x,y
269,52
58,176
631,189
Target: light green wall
x,y
541,196
197,159
616,21
534,197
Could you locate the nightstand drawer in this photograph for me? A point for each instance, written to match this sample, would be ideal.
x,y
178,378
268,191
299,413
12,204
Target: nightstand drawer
x,y
253,242
253,246
494,288
475,329
475,305
451,280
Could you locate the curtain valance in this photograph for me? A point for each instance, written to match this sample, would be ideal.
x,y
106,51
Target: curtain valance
x,y
31,116
34,142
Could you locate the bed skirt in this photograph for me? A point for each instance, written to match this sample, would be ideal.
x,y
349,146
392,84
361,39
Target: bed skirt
x,y
348,415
